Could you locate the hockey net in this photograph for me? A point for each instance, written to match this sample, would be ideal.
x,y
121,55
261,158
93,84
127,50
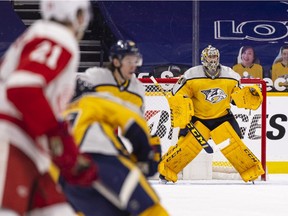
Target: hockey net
x,y
206,166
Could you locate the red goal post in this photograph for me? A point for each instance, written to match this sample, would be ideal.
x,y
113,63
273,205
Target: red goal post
x,y
263,87
159,119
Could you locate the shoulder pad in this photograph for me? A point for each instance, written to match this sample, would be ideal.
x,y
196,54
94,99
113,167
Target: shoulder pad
x,y
229,73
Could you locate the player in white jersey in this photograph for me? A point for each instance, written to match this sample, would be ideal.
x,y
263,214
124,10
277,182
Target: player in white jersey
x,y
37,79
119,78
104,101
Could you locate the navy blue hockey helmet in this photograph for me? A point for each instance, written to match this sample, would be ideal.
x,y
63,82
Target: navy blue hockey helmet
x,y
123,48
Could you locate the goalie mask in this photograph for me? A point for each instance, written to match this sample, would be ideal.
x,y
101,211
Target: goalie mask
x,y
67,11
210,57
124,48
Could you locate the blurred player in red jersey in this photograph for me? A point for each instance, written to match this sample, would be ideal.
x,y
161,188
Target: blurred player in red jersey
x,y
37,80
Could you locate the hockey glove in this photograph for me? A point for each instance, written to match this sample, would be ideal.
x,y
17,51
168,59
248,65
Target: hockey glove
x,y
249,97
149,167
75,168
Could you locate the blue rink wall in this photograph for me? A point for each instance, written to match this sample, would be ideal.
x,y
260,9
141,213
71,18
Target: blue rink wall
x,y
11,26
165,30
168,34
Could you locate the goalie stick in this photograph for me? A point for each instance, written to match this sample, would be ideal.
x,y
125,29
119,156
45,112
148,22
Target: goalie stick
x,y
192,129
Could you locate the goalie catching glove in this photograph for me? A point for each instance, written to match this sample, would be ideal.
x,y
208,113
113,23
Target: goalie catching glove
x,y
75,168
181,109
249,97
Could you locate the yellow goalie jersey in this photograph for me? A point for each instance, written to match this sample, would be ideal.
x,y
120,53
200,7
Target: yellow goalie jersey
x,y
211,97
104,81
94,118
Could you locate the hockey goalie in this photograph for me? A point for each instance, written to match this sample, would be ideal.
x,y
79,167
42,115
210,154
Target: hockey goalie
x,y
205,92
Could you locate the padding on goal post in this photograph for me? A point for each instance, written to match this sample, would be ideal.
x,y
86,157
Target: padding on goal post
x,y
204,166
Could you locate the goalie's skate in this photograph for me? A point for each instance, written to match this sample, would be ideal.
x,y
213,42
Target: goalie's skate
x,y
162,179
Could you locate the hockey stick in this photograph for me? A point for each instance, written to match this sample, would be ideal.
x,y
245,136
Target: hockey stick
x,y
192,129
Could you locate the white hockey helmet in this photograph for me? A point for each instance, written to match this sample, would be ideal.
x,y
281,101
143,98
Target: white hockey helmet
x,y
66,11
210,58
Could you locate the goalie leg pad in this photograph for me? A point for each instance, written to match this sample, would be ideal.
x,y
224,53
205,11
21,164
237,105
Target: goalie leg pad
x,y
237,153
181,154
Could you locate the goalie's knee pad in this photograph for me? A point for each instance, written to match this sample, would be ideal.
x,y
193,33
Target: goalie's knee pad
x,y
180,155
237,153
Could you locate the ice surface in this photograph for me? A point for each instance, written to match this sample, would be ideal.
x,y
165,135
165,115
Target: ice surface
x,y
225,198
